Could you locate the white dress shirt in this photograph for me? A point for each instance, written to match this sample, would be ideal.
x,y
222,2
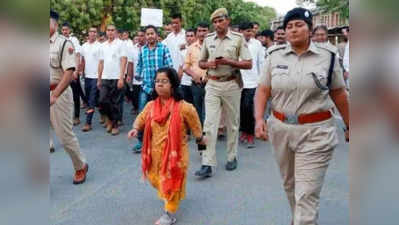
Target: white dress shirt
x,y
251,77
90,52
186,79
133,57
173,42
112,53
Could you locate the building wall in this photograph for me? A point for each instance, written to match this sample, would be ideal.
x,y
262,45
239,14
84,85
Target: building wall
x,y
332,20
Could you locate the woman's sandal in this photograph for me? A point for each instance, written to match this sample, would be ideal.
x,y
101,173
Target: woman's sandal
x,y
166,220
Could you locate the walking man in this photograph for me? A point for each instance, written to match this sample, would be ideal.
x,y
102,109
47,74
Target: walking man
x,y
153,55
89,64
198,75
111,74
224,52
62,65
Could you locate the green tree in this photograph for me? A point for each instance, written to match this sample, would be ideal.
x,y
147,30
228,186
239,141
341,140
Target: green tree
x,y
125,14
341,6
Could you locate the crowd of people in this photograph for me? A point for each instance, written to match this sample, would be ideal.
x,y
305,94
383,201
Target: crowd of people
x,y
205,84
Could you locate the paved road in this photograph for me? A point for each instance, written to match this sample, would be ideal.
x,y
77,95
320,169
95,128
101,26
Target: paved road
x,y
114,195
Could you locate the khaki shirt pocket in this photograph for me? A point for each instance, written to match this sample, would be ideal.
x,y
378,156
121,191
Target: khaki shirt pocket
x,y
232,52
318,79
54,60
280,80
277,73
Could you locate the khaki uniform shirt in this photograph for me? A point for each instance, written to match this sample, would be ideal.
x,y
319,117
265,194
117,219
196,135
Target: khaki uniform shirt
x,y
192,58
293,88
68,59
233,46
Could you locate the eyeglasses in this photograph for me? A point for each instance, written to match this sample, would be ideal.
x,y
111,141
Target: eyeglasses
x,y
162,81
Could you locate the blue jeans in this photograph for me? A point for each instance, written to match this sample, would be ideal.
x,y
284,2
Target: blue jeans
x,y
198,92
144,98
91,95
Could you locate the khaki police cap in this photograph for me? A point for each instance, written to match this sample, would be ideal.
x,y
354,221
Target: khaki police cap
x,y
219,12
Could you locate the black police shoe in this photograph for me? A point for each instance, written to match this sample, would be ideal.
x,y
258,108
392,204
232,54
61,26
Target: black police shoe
x,y
231,165
205,171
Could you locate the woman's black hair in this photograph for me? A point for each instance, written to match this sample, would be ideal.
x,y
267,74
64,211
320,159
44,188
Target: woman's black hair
x,y
174,81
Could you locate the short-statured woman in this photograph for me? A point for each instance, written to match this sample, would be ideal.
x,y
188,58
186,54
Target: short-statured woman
x,y
304,82
165,156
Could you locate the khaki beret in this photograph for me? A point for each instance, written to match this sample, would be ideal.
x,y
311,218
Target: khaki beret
x,y
219,12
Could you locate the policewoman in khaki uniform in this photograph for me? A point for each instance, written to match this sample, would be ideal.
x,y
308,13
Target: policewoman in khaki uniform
x,y
220,56
62,65
304,81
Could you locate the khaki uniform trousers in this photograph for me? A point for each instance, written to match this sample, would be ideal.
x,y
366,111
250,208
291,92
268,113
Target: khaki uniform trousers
x,y
61,114
221,96
303,153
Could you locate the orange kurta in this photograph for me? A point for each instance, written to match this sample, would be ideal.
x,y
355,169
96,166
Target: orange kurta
x,y
190,120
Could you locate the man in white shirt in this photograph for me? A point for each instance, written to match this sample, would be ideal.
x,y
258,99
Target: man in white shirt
x,y
125,38
175,41
89,65
77,90
250,81
185,79
111,73
132,73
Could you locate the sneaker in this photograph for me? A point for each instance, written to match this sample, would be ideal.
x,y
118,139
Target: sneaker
x,y
204,172
115,131
120,123
250,141
166,219
76,121
80,175
137,148
52,149
86,127
108,125
102,119
243,137
232,165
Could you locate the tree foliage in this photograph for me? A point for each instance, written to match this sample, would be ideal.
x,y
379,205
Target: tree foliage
x,y
341,6
125,14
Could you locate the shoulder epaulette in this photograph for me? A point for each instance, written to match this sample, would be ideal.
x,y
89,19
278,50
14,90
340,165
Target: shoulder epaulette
x,y
211,34
327,46
237,33
275,48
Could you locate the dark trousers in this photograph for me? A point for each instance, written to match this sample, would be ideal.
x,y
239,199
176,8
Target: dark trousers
x,y
135,96
198,92
187,94
109,101
92,97
77,92
122,100
247,121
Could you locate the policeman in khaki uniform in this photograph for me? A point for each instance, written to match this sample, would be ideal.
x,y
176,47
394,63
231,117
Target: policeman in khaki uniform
x,y
223,54
62,65
303,81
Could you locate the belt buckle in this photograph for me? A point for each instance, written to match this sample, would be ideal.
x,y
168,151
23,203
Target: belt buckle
x,y
291,119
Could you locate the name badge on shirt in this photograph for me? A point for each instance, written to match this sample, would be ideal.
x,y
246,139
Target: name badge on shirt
x,y
212,46
283,67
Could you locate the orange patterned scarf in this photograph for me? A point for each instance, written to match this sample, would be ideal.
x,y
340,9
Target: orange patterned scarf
x,y
171,175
